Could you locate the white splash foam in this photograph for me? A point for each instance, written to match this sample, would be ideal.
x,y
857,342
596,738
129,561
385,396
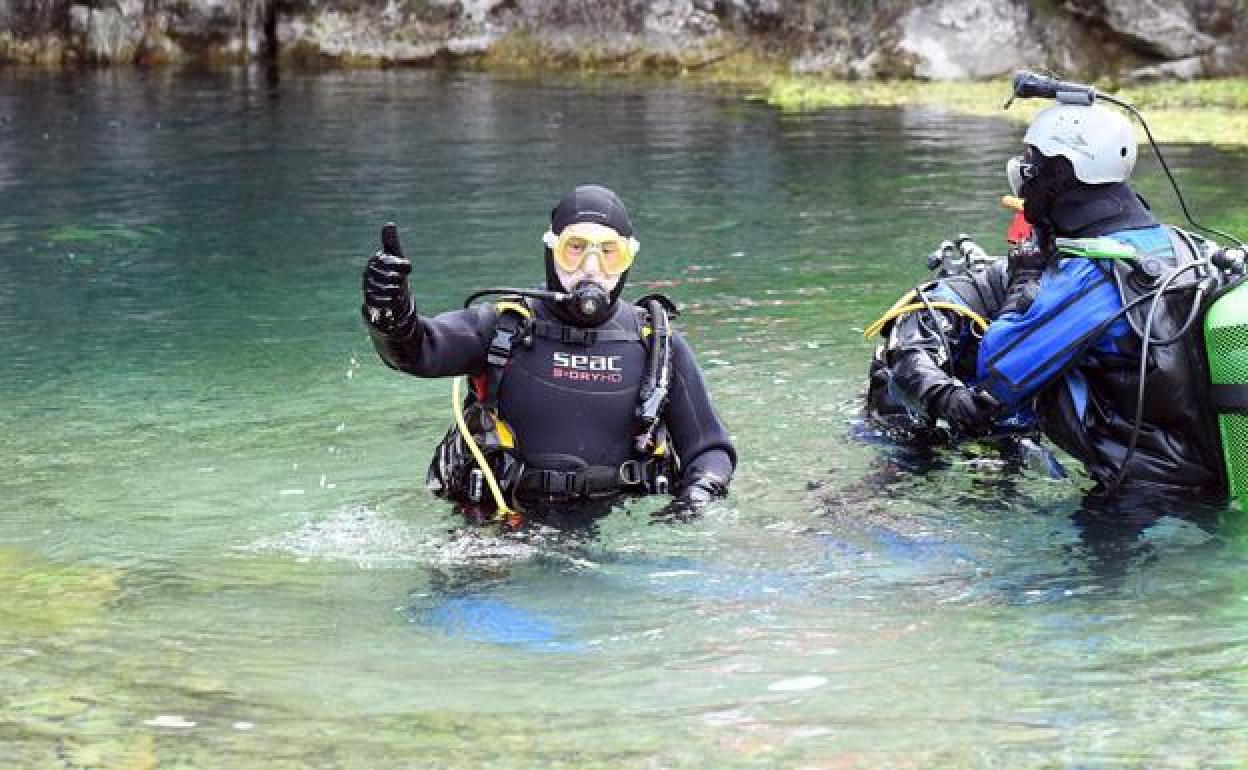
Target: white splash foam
x,y
798,684
357,533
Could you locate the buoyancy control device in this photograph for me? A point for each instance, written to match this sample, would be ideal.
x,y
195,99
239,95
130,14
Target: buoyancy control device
x,y
478,462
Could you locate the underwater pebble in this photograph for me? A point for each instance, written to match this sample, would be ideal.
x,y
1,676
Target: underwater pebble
x,y
797,684
169,720
725,718
291,492
243,725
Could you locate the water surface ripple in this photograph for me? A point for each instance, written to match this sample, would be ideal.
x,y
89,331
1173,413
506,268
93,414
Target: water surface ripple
x,y
215,546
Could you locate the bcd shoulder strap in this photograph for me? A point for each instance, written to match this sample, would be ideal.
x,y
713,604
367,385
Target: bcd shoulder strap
x,y
514,322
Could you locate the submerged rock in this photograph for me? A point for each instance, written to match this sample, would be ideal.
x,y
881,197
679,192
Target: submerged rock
x,y
42,599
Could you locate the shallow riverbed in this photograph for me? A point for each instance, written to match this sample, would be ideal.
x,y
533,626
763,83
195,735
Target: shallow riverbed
x,y
215,545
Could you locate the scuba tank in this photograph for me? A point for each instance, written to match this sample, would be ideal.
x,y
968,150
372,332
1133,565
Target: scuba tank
x,y
1226,344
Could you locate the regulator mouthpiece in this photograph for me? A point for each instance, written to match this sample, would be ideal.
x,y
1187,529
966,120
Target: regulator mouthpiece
x,y
587,304
589,301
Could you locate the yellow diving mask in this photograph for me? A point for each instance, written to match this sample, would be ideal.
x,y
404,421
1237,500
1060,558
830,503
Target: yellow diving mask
x,y
573,246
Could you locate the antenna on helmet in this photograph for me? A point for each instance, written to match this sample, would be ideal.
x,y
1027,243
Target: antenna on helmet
x,y
1029,85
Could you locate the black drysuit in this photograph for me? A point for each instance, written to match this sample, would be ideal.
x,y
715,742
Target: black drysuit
x,y
921,361
1063,350
1074,351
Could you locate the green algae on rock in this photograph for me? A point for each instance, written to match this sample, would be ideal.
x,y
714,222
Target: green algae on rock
x,y
43,598
1208,112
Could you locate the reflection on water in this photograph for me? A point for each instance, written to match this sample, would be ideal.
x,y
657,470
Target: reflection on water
x,y
217,550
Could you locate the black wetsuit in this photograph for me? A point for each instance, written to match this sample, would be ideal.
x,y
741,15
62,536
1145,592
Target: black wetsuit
x,y
571,397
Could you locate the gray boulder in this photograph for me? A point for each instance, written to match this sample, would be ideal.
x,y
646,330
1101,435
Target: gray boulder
x,y
1165,30
961,39
110,34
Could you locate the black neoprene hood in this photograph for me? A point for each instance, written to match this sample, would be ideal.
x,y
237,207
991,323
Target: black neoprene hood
x,y
591,203
587,203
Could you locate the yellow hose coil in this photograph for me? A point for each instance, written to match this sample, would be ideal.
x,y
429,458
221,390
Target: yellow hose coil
x,y
457,408
898,309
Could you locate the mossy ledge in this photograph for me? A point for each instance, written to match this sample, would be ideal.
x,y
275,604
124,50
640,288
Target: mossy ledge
x,y
1196,112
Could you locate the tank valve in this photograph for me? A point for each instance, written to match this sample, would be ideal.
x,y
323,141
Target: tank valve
x,y
1230,260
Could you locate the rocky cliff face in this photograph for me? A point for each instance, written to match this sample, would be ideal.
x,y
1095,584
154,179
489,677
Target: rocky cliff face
x,y
938,39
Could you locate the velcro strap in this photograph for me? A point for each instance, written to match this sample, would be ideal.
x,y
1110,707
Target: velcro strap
x,y
553,482
1230,398
576,336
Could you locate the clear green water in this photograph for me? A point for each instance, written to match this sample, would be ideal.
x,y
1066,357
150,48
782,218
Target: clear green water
x,y
215,546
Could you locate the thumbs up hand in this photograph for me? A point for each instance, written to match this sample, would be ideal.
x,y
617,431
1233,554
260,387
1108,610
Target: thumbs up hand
x,y
387,302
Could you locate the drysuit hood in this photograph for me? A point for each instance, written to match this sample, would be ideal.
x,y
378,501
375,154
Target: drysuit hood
x,y
596,204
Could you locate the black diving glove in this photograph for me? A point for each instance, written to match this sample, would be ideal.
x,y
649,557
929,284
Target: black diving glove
x,y
388,305
694,494
1027,262
700,490
969,411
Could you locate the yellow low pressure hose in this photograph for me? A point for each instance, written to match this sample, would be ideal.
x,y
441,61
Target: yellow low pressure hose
x,y
457,408
900,309
904,305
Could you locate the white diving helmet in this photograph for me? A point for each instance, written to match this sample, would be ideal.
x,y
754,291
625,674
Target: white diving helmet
x,y
1099,142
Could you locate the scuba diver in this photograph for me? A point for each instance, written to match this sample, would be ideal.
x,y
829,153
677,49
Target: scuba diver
x,y
577,397
1098,331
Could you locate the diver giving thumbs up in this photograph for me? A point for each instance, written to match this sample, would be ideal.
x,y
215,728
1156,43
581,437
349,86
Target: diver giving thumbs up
x,y
387,302
576,397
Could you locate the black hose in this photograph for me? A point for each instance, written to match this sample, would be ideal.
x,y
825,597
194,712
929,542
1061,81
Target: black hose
x,y
654,387
940,329
1192,314
554,296
651,383
1166,168
1121,475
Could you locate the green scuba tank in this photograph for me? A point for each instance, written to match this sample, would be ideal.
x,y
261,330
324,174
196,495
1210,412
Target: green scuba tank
x,y
1226,342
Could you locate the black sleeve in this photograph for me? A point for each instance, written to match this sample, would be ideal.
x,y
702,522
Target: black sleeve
x,y
451,343
917,357
700,439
